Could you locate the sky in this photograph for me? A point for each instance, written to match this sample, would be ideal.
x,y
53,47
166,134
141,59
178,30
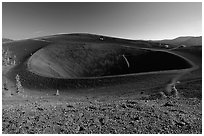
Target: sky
x,y
136,20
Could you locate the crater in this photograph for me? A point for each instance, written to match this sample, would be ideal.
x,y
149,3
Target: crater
x,y
71,61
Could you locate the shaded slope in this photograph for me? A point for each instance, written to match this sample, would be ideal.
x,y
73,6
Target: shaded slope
x,y
195,50
69,60
193,53
95,60
92,38
76,60
23,49
79,60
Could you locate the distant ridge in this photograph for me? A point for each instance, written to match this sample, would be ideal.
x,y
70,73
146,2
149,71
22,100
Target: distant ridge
x,y
187,40
6,40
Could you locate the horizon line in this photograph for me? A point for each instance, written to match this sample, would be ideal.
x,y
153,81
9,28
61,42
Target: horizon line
x,y
55,34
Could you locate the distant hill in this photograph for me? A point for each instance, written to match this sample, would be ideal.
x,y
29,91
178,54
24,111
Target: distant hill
x,y
193,41
6,40
188,41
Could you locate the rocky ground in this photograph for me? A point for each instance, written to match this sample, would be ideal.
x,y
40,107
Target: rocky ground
x,y
127,114
125,105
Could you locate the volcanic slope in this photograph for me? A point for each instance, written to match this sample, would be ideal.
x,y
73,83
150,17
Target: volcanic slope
x,y
75,58
193,53
123,99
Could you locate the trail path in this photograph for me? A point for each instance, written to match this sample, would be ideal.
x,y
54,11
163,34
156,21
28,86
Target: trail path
x,y
181,72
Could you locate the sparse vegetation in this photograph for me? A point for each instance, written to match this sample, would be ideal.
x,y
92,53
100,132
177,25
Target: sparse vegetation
x,y
18,84
7,57
133,104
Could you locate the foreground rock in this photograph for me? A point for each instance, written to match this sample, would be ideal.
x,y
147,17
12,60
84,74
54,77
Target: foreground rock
x,y
122,116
